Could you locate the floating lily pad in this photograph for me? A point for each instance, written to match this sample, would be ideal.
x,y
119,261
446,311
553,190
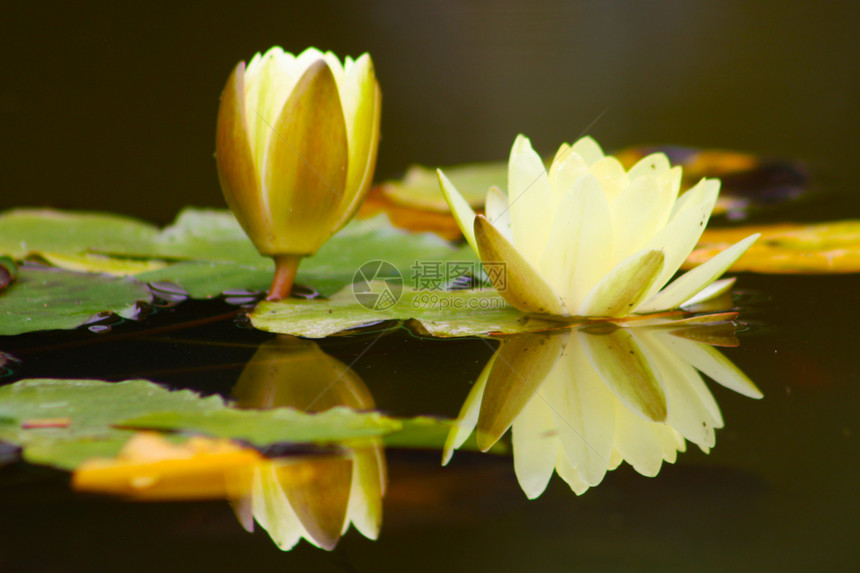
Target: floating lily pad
x,y
51,299
207,250
27,231
832,247
439,313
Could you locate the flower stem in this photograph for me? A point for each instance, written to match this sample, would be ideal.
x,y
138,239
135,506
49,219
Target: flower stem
x,y
286,267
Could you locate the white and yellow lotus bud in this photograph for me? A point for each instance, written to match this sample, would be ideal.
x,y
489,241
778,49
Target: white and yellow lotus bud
x,y
296,150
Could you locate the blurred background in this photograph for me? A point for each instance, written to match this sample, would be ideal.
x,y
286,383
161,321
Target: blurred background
x,y
111,106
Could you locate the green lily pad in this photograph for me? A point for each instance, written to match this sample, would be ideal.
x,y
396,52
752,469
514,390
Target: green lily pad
x,y
264,427
82,413
27,231
64,422
208,251
419,188
475,312
51,299
8,271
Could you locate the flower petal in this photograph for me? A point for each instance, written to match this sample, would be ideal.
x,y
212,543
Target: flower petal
x,y
678,238
566,168
536,447
624,288
467,419
235,160
713,364
611,175
463,213
521,365
307,162
654,165
588,149
271,508
711,291
637,215
362,104
692,282
318,491
625,368
518,282
530,198
593,255
368,487
497,212
584,411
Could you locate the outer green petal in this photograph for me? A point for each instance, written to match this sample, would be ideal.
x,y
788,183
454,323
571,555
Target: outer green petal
x,y
463,213
692,282
307,164
518,283
624,288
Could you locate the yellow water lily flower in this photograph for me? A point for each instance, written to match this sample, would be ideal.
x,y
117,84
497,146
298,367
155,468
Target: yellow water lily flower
x,y
296,149
588,238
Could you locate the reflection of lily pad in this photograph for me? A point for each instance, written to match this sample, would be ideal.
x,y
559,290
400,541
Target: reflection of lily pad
x,y
82,412
50,299
64,422
439,313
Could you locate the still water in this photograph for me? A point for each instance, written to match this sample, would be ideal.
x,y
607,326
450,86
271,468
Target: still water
x,y
107,127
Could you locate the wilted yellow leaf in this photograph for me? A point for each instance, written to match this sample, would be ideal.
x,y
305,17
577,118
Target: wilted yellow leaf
x,y
832,247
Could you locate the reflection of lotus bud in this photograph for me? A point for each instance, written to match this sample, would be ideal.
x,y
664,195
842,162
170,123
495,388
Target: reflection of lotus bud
x,y
296,150
582,401
314,497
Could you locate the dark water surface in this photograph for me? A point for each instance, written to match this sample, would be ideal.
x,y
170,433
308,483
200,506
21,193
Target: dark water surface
x,y
112,108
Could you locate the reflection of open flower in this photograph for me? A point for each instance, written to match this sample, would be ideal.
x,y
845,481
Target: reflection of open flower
x,y
296,150
315,497
589,238
580,402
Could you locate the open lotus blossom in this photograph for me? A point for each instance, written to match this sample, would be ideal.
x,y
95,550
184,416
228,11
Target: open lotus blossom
x,y
580,402
588,238
296,149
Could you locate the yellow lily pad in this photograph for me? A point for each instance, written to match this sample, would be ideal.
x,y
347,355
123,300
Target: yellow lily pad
x,y
785,248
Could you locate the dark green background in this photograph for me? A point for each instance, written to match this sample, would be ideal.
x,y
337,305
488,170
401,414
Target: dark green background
x,y
112,105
